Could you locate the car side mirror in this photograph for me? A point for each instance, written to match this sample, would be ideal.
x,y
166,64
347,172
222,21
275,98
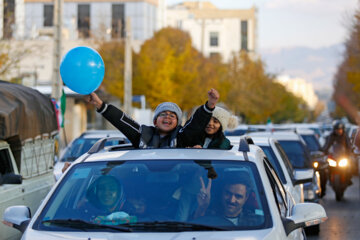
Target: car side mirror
x,y
11,178
304,215
303,176
18,217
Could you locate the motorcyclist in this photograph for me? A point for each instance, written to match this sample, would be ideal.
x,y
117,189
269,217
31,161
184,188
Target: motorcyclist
x,y
338,143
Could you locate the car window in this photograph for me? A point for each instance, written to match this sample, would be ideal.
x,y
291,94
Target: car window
x,y
311,142
286,160
297,153
277,188
5,162
81,146
237,132
274,161
159,191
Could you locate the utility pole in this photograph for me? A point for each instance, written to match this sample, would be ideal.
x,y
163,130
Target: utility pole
x,y
203,36
56,89
128,70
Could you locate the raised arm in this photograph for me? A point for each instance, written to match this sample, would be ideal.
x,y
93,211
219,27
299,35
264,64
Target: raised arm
x,y
126,125
194,129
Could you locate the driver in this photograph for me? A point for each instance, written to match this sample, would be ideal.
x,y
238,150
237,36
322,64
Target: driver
x,y
339,142
106,202
338,139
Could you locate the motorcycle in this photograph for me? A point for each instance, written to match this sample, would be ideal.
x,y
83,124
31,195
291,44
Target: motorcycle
x,y
339,174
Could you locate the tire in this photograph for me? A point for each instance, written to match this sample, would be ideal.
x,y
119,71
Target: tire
x,y
313,230
339,191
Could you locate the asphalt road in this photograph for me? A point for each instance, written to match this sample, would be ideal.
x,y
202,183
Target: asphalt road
x,y
343,217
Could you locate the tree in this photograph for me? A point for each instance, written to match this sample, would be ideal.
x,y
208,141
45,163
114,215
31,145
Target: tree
x,y
347,77
113,56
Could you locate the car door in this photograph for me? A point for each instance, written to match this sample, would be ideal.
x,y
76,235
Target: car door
x,y
283,199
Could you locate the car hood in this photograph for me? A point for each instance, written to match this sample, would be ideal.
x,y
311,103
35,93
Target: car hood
x,y
223,235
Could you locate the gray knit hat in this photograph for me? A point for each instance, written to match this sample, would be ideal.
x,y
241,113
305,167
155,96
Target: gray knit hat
x,y
168,106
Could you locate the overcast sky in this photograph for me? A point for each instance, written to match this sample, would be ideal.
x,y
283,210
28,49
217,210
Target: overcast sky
x,y
294,23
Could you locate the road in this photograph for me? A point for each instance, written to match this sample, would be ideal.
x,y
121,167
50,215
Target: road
x,y
343,217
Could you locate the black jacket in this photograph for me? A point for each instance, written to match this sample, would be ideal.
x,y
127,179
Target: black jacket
x,y
148,137
341,144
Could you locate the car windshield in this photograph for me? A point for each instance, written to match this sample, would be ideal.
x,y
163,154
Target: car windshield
x,y
158,196
297,153
274,162
81,146
311,142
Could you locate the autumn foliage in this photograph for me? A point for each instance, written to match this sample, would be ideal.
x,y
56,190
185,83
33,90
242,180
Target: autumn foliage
x,y
169,68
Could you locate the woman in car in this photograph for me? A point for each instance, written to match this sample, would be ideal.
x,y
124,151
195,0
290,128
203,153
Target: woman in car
x,y
213,137
106,202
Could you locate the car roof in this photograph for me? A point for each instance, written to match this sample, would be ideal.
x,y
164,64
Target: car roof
x,y
278,135
173,154
262,141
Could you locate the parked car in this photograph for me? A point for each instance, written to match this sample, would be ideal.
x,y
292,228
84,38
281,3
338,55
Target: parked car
x,y
83,143
157,193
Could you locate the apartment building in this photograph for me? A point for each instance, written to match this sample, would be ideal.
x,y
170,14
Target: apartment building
x,y
216,31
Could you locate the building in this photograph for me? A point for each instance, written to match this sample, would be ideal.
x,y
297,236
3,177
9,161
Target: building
x,y
29,19
300,88
30,23
215,31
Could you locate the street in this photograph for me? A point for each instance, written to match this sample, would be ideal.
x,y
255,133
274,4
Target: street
x,y
343,217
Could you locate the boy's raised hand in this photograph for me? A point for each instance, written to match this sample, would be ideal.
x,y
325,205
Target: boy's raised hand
x,y
213,97
94,99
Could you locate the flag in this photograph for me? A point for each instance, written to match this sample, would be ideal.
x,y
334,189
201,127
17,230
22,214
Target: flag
x,y
63,107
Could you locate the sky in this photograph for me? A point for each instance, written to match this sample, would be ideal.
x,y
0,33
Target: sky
x,y
296,23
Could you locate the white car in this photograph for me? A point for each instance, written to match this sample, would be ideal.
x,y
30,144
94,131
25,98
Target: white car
x,y
121,193
82,144
291,179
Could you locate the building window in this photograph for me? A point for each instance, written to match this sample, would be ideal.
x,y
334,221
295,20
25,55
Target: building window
x,y
84,20
118,21
214,39
48,15
244,35
9,18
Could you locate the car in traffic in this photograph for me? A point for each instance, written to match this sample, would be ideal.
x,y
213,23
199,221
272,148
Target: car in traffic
x,y
299,156
83,143
169,194
291,178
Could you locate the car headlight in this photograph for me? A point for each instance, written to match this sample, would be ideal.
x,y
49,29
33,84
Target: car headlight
x,y
343,162
315,164
331,162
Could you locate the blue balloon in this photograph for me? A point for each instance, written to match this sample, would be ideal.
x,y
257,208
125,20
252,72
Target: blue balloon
x,y
82,70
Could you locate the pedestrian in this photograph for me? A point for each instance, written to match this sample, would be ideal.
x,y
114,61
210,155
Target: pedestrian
x,y
213,137
167,131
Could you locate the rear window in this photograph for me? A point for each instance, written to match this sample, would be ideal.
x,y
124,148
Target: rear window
x,y
274,162
311,142
297,153
81,146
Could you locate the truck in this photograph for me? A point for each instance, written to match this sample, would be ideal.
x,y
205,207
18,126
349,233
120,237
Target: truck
x,y
28,130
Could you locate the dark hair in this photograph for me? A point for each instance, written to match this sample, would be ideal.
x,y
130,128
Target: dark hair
x,y
218,135
244,179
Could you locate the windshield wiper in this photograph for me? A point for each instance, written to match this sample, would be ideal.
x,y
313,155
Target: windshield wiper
x,y
84,225
172,225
